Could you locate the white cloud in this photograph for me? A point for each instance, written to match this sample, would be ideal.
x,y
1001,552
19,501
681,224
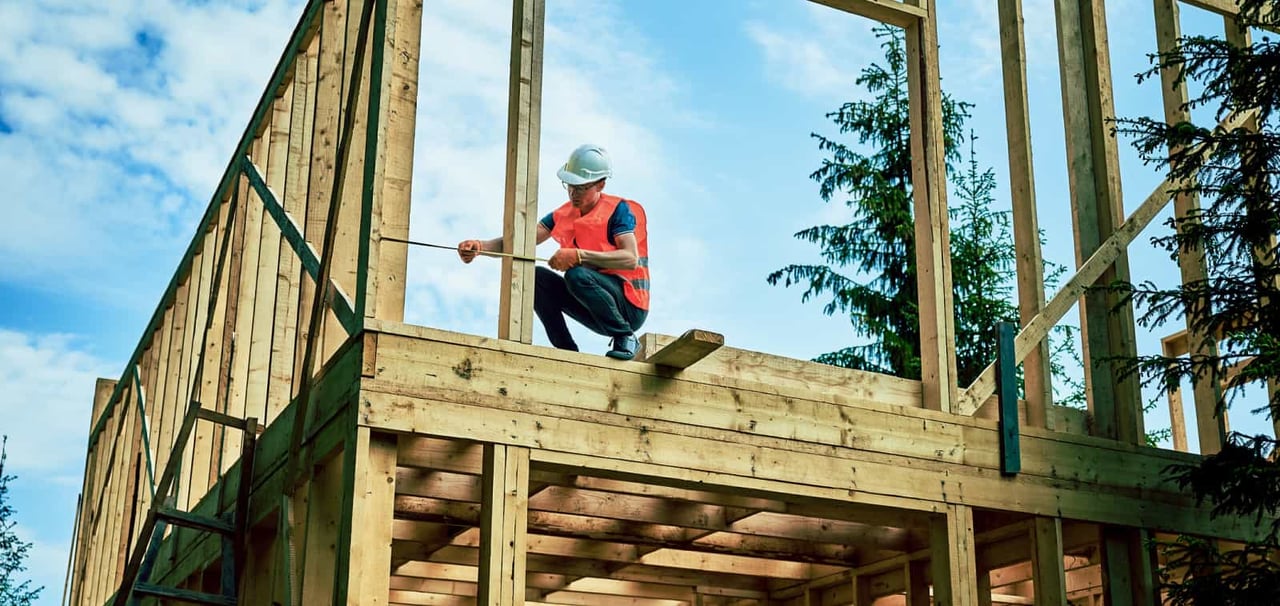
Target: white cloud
x,y
122,117
820,58
48,384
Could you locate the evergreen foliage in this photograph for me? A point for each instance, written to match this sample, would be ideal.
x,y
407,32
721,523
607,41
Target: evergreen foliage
x,y
13,551
876,247
1236,175
984,269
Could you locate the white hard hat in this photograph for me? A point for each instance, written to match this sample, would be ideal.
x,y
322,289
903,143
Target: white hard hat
x,y
587,164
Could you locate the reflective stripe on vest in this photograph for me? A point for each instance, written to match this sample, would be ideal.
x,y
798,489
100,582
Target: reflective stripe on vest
x,y
591,232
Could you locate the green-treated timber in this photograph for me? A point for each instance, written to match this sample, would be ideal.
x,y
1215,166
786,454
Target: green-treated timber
x,y
349,319
334,396
371,141
146,429
1007,390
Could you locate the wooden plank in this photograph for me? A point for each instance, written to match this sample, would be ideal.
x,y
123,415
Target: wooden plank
x,y
209,438
1229,9
330,47
727,366
1037,383
200,449
227,314
520,207
103,500
406,366
187,350
364,556
953,563
289,282
885,11
1007,381
238,404
173,395
1047,563
390,160
274,150
932,234
160,402
1177,415
81,539
121,484
503,525
692,346
1191,262
343,226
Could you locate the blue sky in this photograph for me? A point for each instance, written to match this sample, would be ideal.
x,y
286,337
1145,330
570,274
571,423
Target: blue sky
x,y
117,117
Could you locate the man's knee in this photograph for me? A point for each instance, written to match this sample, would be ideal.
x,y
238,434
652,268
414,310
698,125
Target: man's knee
x,y
579,276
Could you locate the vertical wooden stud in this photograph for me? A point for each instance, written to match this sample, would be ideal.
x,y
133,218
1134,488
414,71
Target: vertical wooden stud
x,y
918,583
953,557
364,554
1094,178
932,239
1191,262
317,556
389,159
504,512
1127,573
1047,562
520,217
1037,383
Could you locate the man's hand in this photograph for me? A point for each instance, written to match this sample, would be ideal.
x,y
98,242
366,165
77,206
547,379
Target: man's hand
x,y
468,249
565,258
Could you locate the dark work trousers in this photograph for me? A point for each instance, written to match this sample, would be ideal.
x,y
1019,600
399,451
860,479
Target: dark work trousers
x,y
588,296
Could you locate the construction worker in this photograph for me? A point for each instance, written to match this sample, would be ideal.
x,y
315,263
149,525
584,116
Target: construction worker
x,y
604,254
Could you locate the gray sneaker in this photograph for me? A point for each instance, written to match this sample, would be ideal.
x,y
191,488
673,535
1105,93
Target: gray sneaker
x,y
624,347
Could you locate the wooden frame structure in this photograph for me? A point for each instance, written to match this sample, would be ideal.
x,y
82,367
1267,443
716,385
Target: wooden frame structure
x,y
409,465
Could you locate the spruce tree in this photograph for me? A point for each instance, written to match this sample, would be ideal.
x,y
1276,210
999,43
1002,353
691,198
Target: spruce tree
x,y
984,267
13,551
1236,174
870,270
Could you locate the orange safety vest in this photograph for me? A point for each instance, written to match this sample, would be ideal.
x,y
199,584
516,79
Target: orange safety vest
x,y
591,232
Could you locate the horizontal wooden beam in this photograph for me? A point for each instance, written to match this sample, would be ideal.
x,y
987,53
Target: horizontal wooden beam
x,y
884,11
438,364
683,352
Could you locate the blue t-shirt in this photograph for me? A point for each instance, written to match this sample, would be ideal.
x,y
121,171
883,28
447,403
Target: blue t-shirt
x,y
620,224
